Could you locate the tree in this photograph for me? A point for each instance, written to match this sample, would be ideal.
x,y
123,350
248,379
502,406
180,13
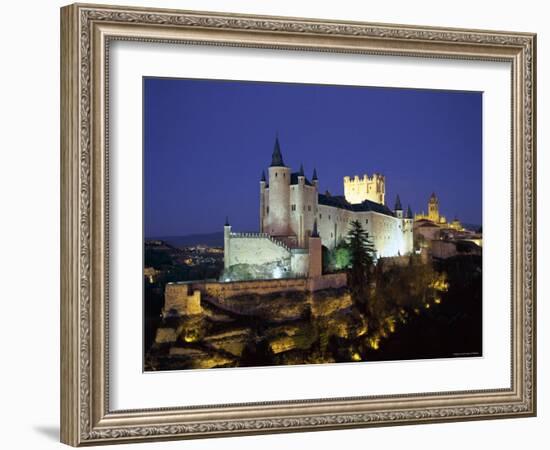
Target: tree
x,y
362,253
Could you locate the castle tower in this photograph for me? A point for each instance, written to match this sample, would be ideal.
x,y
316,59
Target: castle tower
x,y
357,190
433,208
314,179
300,208
262,200
398,209
315,254
278,208
226,243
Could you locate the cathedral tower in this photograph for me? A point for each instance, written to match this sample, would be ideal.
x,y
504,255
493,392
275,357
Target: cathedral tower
x,y
433,208
277,211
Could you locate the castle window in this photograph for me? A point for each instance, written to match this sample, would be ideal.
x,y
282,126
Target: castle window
x,y
267,209
293,207
366,220
276,174
331,235
320,216
329,218
309,207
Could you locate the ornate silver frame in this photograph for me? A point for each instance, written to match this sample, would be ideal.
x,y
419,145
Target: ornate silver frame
x,y
86,31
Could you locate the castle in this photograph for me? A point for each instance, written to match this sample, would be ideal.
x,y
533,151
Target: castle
x,y
296,221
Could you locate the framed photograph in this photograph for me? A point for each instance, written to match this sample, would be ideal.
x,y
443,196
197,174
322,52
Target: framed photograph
x,y
275,224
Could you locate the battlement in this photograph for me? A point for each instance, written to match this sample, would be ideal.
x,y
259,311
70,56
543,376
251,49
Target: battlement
x,y
358,189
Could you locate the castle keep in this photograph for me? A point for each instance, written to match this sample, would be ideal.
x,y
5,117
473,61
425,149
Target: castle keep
x,y
296,221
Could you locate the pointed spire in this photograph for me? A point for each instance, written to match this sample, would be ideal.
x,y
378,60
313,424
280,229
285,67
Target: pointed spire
x,y
315,232
263,176
433,196
315,175
277,157
226,221
301,173
409,212
398,206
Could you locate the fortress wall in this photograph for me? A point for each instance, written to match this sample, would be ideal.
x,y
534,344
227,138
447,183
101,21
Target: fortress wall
x,y
182,298
386,234
185,297
333,224
299,263
256,250
222,290
408,237
384,231
328,281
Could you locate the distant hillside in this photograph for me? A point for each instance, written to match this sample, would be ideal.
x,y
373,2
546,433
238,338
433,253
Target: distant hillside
x,y
209,239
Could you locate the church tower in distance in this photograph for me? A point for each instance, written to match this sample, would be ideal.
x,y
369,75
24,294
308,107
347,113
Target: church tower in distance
x,y
433,208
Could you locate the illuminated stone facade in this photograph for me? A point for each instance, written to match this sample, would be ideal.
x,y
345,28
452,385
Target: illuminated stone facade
x,y
435,217
294,215
357,190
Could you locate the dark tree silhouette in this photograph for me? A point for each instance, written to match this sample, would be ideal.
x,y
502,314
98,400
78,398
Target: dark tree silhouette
x,y
362,258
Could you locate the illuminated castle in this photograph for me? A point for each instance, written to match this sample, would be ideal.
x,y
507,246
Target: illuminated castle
x,y
357,190
293,215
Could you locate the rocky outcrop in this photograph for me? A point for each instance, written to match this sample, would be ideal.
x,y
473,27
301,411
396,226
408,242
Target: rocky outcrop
x,y
276,328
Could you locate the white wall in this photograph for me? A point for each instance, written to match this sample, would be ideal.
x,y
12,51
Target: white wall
x,y
29,178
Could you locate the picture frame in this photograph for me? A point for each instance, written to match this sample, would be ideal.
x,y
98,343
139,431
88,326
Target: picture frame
x,y
87,31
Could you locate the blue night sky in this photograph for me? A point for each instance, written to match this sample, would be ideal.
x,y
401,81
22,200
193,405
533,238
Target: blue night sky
x,y
206,143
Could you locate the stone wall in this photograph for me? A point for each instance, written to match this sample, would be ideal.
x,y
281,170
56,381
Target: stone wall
x,y
262,287
256,249
182,298
391,236
185,297
300,261
328,281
